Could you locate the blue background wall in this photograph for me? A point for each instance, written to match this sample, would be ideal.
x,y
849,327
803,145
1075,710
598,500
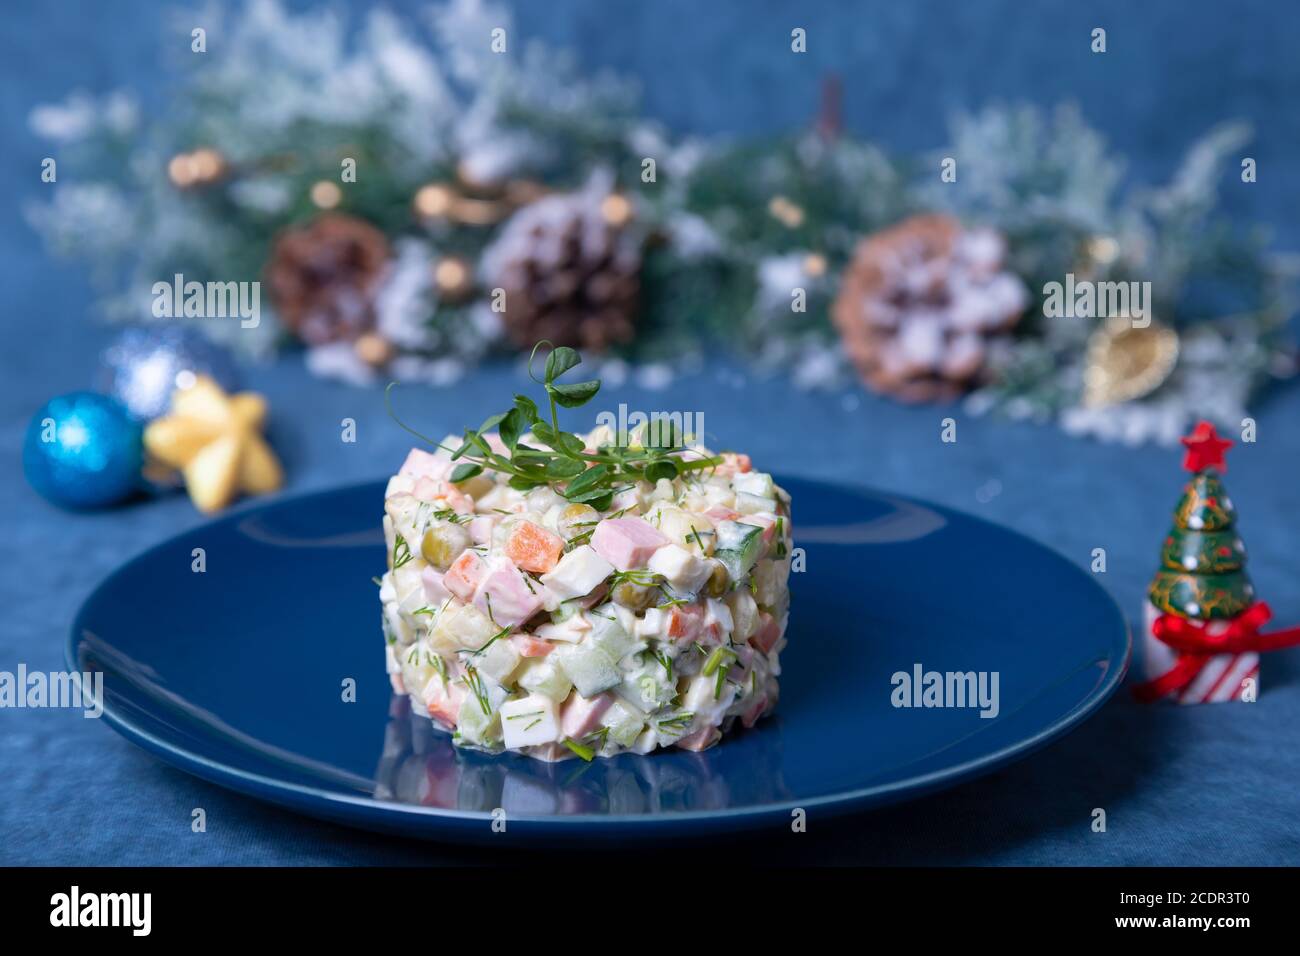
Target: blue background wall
x,y
1183,785
1172,69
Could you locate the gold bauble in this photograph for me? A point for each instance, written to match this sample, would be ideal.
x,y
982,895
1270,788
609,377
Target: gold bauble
x,y
373,349
616,210
433,201
1103,250
479,212
326,195
453,277
1125,362
200,167
785,212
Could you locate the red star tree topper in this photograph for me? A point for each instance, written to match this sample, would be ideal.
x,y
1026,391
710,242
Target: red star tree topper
x,y
1205,449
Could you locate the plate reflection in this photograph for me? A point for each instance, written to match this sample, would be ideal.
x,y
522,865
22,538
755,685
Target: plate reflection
x,y
420,766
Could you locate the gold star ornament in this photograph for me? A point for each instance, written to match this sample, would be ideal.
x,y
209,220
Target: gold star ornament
x,y
215,441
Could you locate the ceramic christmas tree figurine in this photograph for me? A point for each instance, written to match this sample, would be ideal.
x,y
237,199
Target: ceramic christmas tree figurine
x,y
1201,642
1201,572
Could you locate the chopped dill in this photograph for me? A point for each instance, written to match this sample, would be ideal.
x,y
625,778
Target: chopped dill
x,y
401,552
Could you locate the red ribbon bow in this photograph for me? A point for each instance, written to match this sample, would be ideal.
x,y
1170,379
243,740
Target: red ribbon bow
x,y
1195,647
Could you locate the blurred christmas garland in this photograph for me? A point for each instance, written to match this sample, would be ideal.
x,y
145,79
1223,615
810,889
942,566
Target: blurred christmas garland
x,y
499,199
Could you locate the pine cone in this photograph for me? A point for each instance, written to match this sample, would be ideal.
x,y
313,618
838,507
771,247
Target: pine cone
x,y
922,304
570,268
322,277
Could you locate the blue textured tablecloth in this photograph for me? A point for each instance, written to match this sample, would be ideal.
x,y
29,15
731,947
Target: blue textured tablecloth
x,y
1179,785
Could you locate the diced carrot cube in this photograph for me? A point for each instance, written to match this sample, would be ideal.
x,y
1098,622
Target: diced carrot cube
x,y
533,548
684,621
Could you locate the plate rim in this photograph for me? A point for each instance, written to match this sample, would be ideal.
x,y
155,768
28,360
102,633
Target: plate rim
x,y
318,802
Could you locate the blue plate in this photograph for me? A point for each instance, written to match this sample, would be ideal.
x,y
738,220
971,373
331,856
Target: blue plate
x,y
236,674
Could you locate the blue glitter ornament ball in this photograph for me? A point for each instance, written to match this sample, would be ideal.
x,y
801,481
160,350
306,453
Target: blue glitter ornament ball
x,y
144,365
83,450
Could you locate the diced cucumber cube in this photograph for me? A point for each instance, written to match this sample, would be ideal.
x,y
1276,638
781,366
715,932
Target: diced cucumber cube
x,y
647,688
625,723
476,726
739,546
543,675
471,722
610,636
588,666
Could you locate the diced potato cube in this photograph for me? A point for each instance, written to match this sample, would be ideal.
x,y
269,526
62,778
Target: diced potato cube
x,y
744,614
685,570
757,483
417,667
748,504
463,626
770,579
498,661
694,531
578,573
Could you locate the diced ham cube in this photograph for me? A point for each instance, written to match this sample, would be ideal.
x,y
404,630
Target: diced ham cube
x,y
719,513
443,492
702,739
768,633
627,543
757,707
435,591
533,548
529,646
581,715
422,464
480,528
764,521
443,703
466,572
506,596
